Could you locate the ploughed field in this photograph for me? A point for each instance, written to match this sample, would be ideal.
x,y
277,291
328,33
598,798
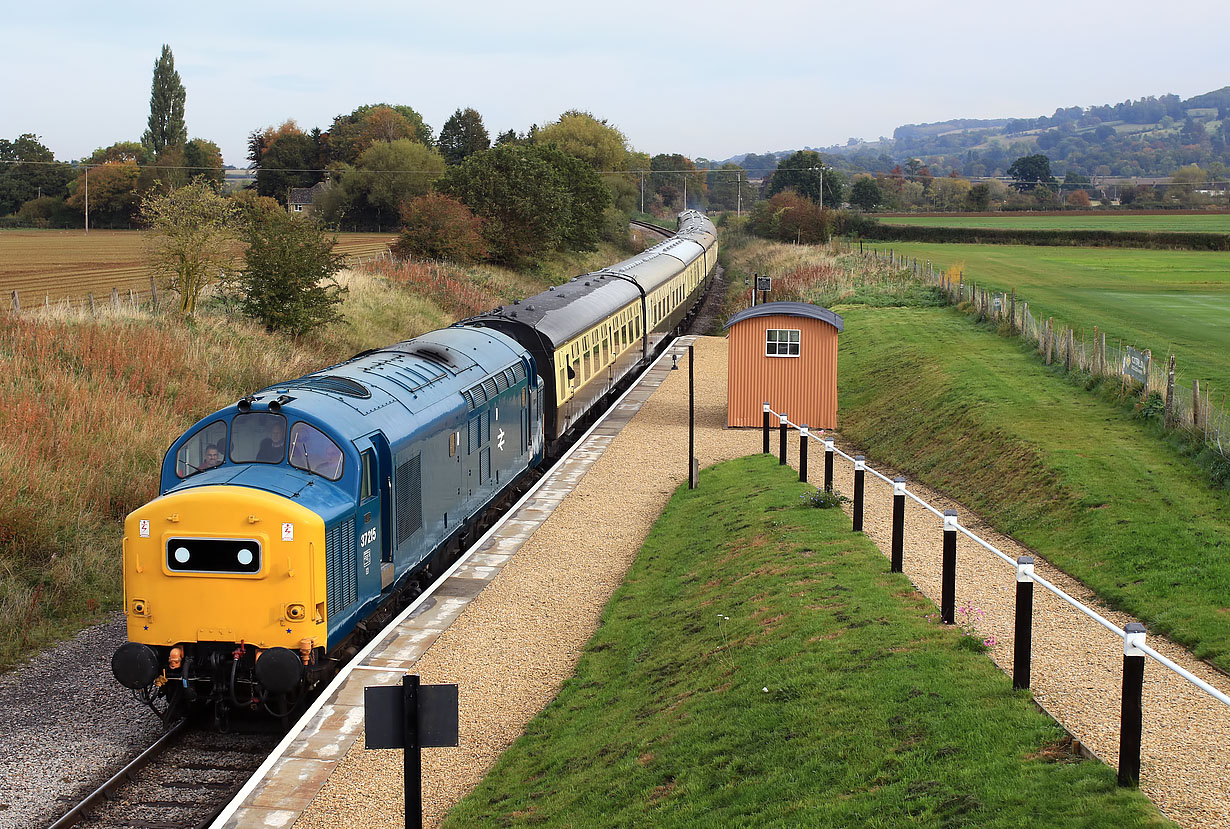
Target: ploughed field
x,y
1158,299
1170,223
44,265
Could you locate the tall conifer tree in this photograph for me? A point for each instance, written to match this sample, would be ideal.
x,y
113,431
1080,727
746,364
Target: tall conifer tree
x,y
166,106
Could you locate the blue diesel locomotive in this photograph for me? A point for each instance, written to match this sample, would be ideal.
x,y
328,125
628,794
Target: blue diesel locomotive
x,y
292,523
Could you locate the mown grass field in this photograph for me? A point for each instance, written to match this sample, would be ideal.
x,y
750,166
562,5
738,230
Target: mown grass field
x,y
1162,300
49,265
1072,474
760,667
1188,222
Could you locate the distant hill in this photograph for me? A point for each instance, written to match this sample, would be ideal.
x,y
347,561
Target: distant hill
x,y
1151,136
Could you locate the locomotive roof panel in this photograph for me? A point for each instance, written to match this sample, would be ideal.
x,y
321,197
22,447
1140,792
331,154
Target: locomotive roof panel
x,y
562,312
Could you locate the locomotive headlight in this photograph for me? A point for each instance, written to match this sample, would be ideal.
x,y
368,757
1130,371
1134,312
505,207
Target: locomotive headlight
x,y
244,557
140,607
214,555
297,612
182,555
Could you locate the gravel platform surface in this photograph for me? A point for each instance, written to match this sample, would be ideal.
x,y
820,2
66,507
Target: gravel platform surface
x,y
521,638
66,725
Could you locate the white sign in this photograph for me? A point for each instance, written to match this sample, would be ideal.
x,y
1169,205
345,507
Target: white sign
x,y
144,528
288,532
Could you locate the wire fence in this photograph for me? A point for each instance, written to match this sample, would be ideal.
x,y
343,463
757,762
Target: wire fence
x,y
1132,634
1196,409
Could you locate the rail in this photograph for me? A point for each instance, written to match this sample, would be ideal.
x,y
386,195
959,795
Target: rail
x,y
1133,635
77,813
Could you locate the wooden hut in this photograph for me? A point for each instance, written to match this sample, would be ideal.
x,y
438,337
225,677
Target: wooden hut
x,y
785,354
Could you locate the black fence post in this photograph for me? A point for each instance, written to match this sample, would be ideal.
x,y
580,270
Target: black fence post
x,y
803,453
412,764
858,493
1022,640
828,464
898,548
782,441
766,428
1131,713
948,576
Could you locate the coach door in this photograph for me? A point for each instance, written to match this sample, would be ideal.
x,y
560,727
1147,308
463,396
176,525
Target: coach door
x,y
375,512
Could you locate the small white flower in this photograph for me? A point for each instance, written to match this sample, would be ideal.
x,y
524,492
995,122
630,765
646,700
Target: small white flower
x,y
765,689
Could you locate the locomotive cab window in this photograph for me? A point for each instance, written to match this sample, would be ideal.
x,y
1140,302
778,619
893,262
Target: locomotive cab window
x,y
781,342
258,437
367,478
313,451
204,450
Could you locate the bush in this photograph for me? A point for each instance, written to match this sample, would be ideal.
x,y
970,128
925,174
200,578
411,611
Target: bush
x,y
440,227
823,499
288,278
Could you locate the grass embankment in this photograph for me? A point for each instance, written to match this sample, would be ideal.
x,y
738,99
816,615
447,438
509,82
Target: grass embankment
x,y
88,406
1074,475
1162,300
760,666
1183,223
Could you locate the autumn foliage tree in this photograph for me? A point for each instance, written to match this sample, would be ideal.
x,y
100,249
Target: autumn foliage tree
x,y
440,227
790,217
191,238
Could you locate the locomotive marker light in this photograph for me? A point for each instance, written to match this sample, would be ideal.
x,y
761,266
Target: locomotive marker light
x,y
411,718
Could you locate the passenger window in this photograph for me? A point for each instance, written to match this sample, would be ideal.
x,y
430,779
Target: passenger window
x,y
202,451
259,437
312,451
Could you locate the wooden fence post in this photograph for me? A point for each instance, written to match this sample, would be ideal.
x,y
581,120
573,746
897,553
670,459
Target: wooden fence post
x,y
153,293
1169,410
16,303
91,305
1196,405
115,298
1067,357
1012,311
1050,339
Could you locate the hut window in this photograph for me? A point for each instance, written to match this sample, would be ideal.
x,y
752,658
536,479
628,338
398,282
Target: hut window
x,y
781,342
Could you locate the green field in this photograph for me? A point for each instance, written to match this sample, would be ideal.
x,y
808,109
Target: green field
x,y
1064,471
1211,223
761,667
1162,300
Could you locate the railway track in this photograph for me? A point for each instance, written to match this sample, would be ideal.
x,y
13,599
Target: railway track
x,y
184,779
665,233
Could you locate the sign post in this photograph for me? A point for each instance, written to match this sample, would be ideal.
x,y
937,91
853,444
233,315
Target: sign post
x,y
764,284
411,717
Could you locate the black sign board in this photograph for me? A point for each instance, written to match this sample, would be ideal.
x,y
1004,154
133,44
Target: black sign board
x,y
764,283
385,716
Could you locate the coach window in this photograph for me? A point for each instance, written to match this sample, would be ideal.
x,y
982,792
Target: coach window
x,y
313,451
204,450
781,342
258,437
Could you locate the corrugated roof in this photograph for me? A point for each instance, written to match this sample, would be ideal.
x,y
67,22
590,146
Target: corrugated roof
x,y
790,309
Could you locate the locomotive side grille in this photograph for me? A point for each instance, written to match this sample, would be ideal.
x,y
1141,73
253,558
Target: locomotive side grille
x,y
340,565
472,434
501,381
484,465
518,373
480,394
409,494
490,388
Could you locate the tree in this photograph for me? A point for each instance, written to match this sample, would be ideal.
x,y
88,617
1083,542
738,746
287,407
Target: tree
x,y
351,134
1079,198
289,277
121,151
675,176
590,139
532,200
805,173
191,237
728,187
790,217
440,227
979,197
289,160
865,193
1029,171
21,182
204,158
386,175
462,135
166,106
112,190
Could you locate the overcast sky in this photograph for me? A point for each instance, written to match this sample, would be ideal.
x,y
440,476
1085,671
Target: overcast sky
x,y
703,79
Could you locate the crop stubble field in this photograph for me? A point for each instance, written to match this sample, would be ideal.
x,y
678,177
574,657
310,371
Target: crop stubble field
x,y
1187,222
1159,299
49,265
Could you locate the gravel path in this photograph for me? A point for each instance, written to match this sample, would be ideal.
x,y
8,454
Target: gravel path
x,y
535,618
66,725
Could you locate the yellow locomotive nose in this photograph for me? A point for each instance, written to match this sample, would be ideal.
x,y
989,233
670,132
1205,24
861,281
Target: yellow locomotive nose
x,y
224,564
